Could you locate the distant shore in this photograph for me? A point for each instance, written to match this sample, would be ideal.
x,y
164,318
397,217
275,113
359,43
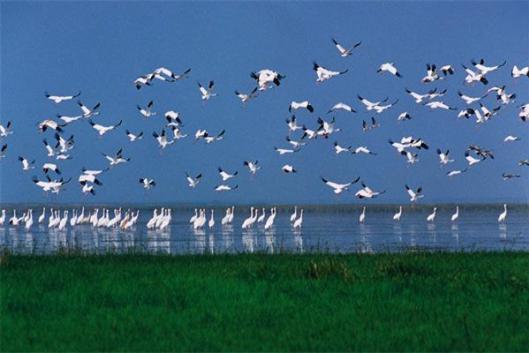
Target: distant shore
x,y
426,301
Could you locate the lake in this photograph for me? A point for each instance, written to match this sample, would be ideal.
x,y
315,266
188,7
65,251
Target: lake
x,y
325,229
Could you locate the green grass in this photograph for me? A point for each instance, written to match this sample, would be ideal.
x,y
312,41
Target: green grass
x,y
406,302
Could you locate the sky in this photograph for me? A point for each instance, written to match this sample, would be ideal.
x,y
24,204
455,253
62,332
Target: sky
x,y
99,48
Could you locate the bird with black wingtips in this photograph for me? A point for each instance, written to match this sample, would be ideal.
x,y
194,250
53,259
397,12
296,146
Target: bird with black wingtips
x,y
87,112
147,111
193,181
298,105
390,68
58,99
338,188
342,50
323,74
147,183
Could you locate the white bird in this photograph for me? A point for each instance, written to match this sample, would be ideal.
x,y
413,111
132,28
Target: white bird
x,y
225,220
287,168
64,220
42,215
206,93
518,72
173,118
147,111
262,216
339,149
419,98
341,106
245,97
362,216
298,222
371,105
162,139
177,134
283,151
193,182
46,167
472,76
411,158
252,166
225,175
294,215
69,119
223,187
468,99
415,195
210,139
431,216
50,185
101,129
511,138
147,183
211,222
443,157
486,69
49,124
192,219
298,105
133,137
26,163
456,172
503,216
471,159
431,74
382,108
337,187
398,215
439,105
117,159
389,67
248,222
455,216
363,150
3,217
87,112
343,51
6,130
270,220
58,99
404,116
447,70
266,77
324,74
367,193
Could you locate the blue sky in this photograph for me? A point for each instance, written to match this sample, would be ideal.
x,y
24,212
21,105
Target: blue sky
x,y
101,47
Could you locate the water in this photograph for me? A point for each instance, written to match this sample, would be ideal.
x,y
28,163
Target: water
x,y
324,229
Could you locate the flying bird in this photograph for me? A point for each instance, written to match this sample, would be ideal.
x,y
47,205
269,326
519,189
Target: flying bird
x,y
58,99
342,50
324,74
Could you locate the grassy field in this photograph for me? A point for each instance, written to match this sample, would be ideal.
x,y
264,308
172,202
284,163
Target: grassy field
x,y
407,302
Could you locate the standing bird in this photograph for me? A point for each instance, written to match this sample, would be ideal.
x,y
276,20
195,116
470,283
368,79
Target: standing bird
x,y
396,216
455,216
431,216
503,216
362,217
298,222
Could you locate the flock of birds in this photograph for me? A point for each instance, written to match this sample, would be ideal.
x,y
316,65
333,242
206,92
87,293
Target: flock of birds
x,y
59,146
161,219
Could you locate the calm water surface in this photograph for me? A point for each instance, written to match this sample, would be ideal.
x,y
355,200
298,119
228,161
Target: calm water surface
x,y
323,230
